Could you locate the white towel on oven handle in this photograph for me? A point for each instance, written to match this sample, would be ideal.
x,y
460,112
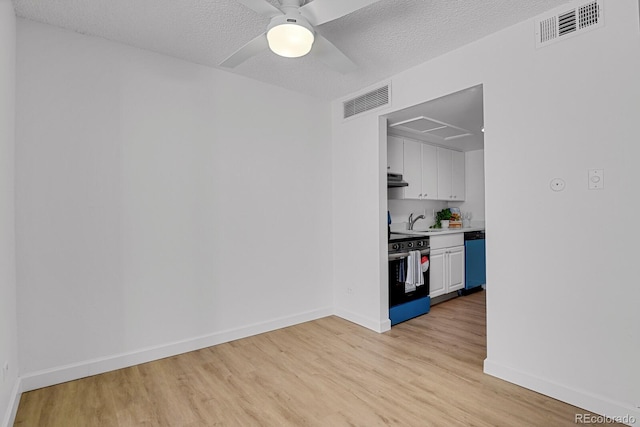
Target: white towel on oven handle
x,y
414,272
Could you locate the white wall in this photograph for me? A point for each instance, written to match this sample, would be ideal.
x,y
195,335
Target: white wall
x,y
161,206
8,326
562,305
360,220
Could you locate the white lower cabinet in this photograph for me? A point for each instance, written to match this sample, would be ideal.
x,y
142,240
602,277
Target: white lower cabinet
x,y
446,265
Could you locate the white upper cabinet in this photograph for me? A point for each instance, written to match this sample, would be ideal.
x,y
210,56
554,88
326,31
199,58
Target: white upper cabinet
x,y
444,174
429,172
451,175
458,175
413,169
433,173
395,161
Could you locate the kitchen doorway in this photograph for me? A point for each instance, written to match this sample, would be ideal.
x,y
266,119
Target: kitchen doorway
x,y
419,139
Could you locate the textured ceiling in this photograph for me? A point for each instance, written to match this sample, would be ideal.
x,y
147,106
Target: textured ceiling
x,y
382,39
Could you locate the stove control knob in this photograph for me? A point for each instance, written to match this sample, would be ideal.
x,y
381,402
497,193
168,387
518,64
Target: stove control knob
x,y
395,246
410,244
420,243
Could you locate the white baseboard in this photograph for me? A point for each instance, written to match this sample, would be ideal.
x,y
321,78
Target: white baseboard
x,y
12,408
60,374
374,325
580,398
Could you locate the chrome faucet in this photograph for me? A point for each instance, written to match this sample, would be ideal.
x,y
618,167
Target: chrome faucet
x,y
413,221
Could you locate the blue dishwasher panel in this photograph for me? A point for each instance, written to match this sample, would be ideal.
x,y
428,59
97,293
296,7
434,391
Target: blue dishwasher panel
x,y
475,261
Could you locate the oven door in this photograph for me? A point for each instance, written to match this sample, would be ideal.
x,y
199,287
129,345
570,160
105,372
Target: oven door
x,y
397,277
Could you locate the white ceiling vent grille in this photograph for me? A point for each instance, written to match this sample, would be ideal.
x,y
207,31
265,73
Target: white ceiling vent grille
x,y
562,24
366,102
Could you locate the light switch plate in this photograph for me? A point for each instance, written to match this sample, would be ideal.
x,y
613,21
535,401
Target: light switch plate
x,y
596,179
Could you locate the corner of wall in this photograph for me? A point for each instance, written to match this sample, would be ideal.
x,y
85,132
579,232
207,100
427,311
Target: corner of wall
x,y
9,388
573,396
12,407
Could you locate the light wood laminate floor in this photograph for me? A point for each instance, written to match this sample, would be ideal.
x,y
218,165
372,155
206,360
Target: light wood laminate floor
x,y
328,372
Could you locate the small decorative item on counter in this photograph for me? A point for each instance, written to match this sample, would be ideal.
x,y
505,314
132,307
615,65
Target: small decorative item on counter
x,y
466,219
456,218
443,215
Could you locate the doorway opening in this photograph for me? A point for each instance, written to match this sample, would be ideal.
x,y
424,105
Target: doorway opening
x,y
437,150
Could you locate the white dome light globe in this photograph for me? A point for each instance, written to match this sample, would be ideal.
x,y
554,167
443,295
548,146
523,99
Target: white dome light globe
x,y
290,40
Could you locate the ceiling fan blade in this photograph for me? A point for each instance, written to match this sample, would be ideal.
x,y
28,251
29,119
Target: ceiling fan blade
x,y
254,47
326,52
262,7
320,11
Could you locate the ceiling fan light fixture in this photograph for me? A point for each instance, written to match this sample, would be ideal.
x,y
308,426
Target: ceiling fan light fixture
x,y
291,39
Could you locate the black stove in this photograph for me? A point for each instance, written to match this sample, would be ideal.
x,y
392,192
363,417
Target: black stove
x,y
399,242
407,299
401,237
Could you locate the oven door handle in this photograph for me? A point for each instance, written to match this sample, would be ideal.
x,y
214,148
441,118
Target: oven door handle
x,y
393,257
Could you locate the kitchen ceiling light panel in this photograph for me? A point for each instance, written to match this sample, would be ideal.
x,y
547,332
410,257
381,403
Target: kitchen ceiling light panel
x,y
418,124
448,132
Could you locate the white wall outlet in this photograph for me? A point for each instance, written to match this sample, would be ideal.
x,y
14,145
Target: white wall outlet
x,y
596,179
557,184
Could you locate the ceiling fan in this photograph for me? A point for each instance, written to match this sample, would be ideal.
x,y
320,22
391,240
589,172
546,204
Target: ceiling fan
x,y
291,31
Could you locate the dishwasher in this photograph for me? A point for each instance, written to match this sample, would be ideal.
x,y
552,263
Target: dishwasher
x,y
475,261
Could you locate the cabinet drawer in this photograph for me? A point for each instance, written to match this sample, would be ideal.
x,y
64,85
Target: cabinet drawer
x,y
446,241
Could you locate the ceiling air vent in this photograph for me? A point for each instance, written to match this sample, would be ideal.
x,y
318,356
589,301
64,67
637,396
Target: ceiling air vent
x,y
563,23
366,102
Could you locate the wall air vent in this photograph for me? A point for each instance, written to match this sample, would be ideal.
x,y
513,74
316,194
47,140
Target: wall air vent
x,y
564,23
367,101
567,23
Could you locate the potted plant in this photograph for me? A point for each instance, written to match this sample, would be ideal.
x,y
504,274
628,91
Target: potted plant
x,y
443,215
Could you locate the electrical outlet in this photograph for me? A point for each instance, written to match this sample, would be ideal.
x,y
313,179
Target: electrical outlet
x,y
349,291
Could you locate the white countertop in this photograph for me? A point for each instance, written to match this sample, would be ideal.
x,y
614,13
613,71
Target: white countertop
x,y
438,231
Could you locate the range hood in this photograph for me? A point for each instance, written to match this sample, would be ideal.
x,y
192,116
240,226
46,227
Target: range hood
x,y
395,180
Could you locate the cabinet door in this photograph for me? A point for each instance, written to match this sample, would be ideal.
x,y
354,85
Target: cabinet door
x,y
457,175
437,278
395,160
412,169
456,268
444,174
429,172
